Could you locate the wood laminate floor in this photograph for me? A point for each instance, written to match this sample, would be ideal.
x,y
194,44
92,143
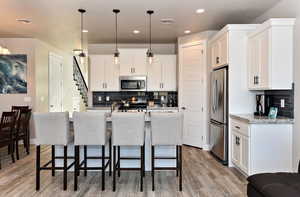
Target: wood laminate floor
x,y
203,176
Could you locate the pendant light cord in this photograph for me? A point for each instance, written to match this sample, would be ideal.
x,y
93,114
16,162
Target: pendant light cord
x,y
116,32
150,40
82,32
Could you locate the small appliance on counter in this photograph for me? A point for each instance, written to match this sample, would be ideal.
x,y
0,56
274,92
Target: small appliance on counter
x,y
260,105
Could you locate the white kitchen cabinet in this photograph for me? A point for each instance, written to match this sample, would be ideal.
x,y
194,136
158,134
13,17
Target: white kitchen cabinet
x,y
219,51
261,147
104,74
270,55
133,62
162,73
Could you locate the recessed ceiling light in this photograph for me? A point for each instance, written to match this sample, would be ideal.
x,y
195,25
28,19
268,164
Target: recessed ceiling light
x,y
136,31
167,21
187,31
85,30
200,11
24,20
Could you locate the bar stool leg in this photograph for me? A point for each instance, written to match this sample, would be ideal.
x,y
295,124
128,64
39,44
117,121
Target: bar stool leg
x,y
38,162
110,157
119,162
142,168
76,168
85,159
28,141
177,161
53,159
12,151
65,167
17,148
152,166
114,168
103,168
180,170
144,160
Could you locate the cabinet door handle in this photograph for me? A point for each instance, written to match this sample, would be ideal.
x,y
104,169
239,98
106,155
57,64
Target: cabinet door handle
x,y
257,79
218,60
105,85
133,70
237,127
254,80
162,85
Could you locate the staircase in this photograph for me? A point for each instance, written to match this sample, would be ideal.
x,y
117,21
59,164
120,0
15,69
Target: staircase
x,y
80,81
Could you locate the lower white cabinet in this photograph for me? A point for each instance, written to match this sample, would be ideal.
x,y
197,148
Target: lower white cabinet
x,y
261,148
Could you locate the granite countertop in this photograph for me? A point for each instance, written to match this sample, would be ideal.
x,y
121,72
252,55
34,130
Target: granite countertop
x,y
99,108
251,119
161,108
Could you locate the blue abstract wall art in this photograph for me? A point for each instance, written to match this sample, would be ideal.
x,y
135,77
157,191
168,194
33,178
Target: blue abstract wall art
x,y
13,74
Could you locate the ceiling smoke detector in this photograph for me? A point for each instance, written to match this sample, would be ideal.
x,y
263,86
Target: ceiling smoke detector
x,y
24,20
167,21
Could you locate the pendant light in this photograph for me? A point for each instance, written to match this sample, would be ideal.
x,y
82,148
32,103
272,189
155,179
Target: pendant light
x,y
149,52
82,55
116,53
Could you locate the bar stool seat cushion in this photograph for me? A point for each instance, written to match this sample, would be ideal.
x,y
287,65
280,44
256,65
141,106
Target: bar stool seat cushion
x,y
128,129
166,128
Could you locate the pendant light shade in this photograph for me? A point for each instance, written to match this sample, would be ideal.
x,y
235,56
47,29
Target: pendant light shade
x,y
150,54
116,53
82,55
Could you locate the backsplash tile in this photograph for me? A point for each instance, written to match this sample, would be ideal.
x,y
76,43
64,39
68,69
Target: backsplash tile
x,y
273,99
107,98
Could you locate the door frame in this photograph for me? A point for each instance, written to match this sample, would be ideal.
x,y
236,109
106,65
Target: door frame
x,y
54,55
204,43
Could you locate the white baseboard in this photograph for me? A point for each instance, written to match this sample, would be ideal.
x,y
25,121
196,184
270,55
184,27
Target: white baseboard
x,y
206,147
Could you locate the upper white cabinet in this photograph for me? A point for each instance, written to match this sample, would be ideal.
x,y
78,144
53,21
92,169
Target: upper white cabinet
x,y
219,51
162,73
133,62
104,74
270,55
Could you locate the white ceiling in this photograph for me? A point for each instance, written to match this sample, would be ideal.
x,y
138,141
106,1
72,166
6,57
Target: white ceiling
x,y
57,21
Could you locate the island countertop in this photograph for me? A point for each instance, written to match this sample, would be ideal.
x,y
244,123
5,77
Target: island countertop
x,y
252,119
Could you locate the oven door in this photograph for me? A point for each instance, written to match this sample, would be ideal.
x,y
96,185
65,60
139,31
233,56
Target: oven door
x,y
133,83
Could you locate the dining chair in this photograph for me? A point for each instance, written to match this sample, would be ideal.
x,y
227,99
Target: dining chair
x,y
7,128
22,130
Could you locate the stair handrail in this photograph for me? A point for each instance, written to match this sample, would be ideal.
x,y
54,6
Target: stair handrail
x,y
81,75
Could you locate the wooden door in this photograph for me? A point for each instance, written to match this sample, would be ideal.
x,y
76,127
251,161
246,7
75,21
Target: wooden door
x,y
55,83
192,92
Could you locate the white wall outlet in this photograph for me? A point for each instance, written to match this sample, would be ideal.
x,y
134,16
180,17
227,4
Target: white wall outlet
x,y
99,98
282,103
107,98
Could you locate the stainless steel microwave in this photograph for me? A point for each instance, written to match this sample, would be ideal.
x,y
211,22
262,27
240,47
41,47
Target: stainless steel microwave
x,y
133,83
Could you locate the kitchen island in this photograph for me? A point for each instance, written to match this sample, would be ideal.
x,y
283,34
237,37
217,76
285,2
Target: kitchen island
x,y
127,151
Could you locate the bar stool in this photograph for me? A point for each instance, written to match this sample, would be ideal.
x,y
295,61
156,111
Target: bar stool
x,y
90,129
128,129
52,128
167,129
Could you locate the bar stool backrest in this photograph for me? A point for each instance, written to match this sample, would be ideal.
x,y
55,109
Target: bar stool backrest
x,y
23,120
90,128
128,128
166,128
52,128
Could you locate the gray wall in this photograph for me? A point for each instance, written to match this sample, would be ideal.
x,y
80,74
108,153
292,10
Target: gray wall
x,y
285,9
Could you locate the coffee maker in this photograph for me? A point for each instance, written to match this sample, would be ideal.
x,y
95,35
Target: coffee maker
x,y
260,105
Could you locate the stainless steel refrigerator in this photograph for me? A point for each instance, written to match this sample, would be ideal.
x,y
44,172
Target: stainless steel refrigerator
x,y
219,114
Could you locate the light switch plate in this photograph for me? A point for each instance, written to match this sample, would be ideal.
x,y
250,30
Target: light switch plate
x,y
282,103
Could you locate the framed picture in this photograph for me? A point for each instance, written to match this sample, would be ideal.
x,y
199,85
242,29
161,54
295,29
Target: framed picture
x,y
13,74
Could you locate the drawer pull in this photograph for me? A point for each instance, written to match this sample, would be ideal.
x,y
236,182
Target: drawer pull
x,y
237,127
